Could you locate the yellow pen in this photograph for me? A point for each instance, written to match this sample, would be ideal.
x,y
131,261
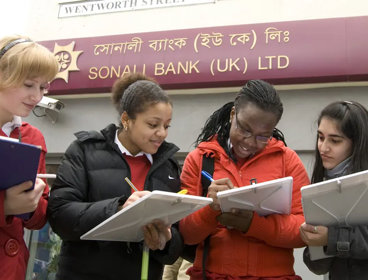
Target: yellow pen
x,y
183,191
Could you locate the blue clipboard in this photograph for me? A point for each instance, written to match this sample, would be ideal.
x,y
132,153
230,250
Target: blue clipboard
x,y
18,162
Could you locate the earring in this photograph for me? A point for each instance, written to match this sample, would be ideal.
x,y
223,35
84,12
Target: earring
x,y
125,126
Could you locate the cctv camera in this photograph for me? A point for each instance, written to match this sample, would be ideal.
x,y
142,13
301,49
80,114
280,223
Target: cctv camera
x,y
51,103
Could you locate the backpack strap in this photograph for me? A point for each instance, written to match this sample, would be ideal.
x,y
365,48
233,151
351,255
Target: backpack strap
x,y
208,163
206,246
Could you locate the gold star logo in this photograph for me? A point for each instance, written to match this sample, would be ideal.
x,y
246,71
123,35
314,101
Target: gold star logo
x,y
67,59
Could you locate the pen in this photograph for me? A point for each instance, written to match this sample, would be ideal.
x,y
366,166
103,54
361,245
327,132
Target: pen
x,y
131,184
49,176
207,175
145,253
183,191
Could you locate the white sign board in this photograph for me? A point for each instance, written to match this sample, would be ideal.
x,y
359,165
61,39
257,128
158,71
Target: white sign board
x,y
84,8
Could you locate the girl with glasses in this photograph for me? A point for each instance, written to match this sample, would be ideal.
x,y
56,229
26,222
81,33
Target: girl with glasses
x,y
244,143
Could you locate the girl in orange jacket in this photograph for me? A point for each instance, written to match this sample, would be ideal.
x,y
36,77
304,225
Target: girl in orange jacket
x,y
242,138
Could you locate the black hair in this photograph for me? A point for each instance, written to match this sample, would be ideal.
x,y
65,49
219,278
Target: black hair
x,y
352,121
134,92
257,92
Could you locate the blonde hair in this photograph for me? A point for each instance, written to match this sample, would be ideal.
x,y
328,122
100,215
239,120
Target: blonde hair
x,y
25,60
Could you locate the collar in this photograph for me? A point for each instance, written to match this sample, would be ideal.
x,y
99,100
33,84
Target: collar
x,y
10,126
339,170
125,151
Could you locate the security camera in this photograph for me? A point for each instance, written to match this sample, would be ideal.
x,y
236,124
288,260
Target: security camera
x,y
51,103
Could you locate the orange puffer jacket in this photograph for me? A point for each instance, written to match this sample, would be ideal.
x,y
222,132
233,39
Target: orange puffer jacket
x,y
266,250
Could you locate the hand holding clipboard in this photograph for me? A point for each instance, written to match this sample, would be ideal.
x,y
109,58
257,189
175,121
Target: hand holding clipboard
x,y
18,170
20,200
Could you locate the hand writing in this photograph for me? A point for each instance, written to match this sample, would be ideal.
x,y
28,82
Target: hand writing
x,y
134,196
215,187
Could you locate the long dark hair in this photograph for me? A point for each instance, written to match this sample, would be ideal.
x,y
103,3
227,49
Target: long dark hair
x,y
257,92
352,120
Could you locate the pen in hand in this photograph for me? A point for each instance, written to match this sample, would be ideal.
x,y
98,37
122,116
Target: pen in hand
x,y
207,175
131,184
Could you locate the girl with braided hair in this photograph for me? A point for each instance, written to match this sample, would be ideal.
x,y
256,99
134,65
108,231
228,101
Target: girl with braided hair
x,y
243,140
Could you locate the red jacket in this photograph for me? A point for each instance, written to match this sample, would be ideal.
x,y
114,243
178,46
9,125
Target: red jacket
x,y
266,250
13,250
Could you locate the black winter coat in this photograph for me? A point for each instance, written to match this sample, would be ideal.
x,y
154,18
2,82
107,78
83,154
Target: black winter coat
x,y
88,189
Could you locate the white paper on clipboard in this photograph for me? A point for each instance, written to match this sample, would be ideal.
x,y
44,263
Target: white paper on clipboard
x,y
126,225
340,201
270,197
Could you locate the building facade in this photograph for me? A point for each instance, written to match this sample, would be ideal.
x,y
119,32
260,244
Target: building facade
x,y
202,52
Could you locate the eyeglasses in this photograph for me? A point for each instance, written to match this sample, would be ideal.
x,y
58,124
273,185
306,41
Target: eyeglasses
x,y
247,134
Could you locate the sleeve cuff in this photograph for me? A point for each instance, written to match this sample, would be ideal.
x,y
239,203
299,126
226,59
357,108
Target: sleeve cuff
x,y
338,241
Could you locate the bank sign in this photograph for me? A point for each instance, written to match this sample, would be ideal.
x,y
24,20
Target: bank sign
x,y
311,51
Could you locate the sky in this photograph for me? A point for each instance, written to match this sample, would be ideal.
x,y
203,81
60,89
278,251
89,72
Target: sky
x,y
13,15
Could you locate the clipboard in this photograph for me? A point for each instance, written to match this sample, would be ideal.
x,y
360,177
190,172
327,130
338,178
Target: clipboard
x,y
126,225
19,162
339,201
270,197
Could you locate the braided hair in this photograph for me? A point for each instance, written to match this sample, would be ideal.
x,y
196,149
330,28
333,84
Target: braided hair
x,y
257,92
